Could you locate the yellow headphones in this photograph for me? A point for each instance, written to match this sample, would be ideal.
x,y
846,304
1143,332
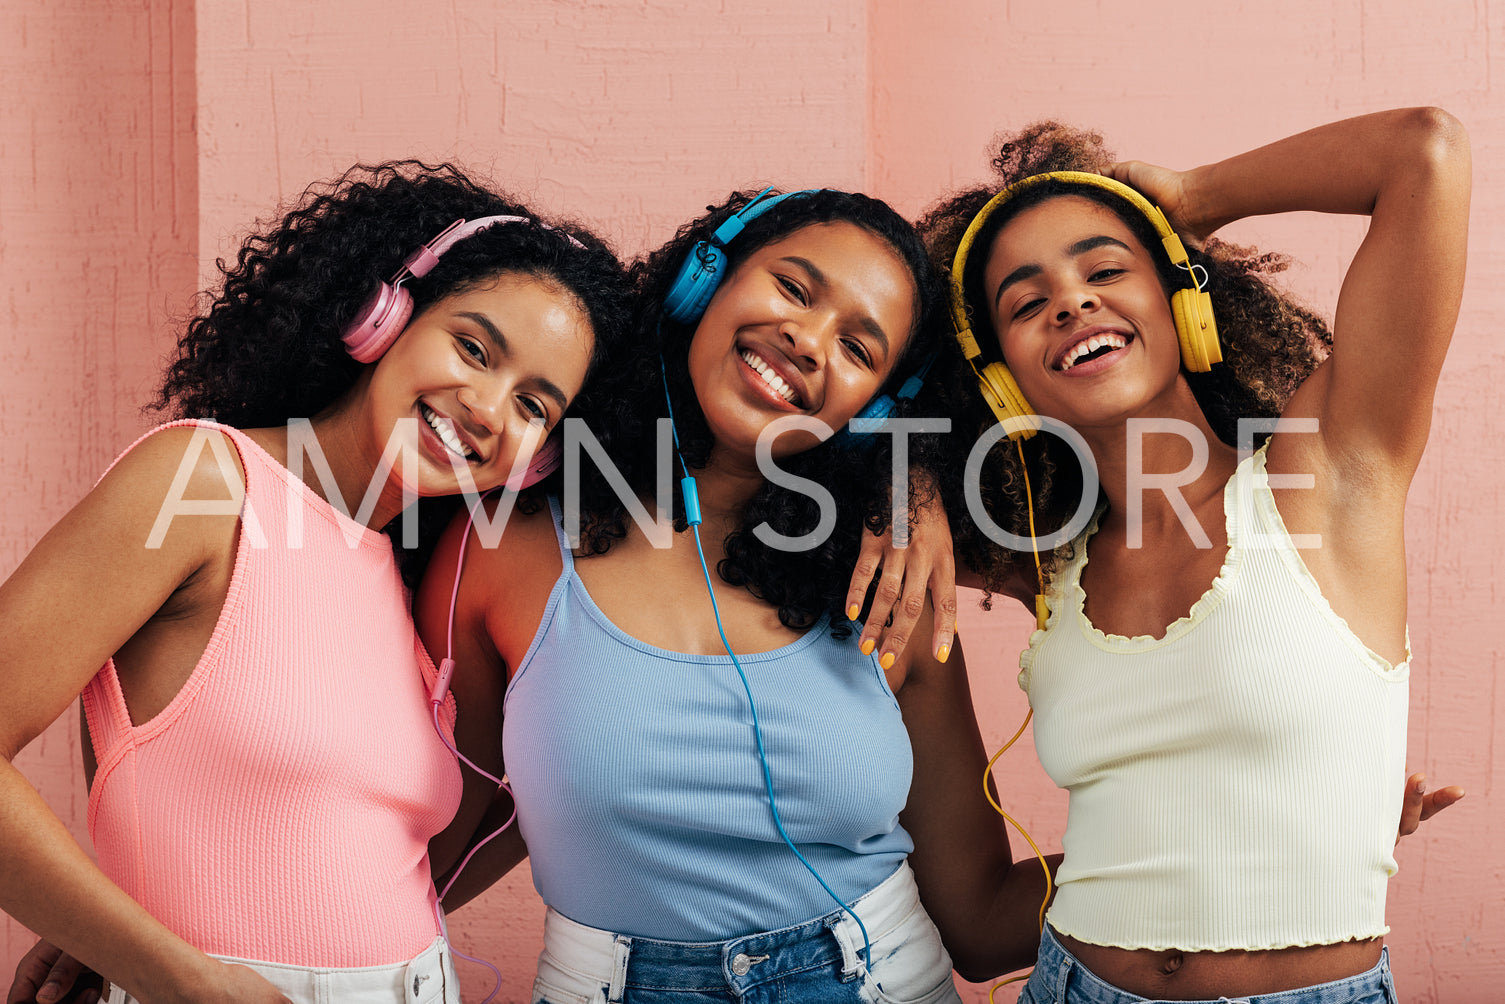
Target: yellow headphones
x,y
1191,307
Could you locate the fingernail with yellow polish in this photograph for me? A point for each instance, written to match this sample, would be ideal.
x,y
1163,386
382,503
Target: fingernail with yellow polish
x,y
887,661
943,653
853,611
868,645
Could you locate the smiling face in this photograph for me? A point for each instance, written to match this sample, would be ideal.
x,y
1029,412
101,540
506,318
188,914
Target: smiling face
x,y
1083,321
475,369
810,324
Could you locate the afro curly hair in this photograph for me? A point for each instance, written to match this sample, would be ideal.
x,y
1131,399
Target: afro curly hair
x,y
1271,343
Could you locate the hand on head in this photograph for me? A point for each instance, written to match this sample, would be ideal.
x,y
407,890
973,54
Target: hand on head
x,y
1166,189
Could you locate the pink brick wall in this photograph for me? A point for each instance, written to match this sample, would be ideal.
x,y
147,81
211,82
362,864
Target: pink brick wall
x,y
128,165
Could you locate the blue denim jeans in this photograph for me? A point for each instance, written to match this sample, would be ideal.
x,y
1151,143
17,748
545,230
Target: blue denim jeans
x,y
1060,979
816,962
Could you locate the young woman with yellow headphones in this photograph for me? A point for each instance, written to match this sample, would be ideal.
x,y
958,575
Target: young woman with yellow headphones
x,y
1219,674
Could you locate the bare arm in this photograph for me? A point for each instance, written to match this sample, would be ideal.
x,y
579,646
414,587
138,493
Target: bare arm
x,y
1409,171
985,905
479,680
94,565
493,859
501,600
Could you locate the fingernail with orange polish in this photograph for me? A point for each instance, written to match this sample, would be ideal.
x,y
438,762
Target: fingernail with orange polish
x,y
887,661
943,653
868,645
853,611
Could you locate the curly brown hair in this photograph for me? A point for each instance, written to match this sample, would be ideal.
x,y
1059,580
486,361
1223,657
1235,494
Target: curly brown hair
x,y
1271,343
802,584
265,345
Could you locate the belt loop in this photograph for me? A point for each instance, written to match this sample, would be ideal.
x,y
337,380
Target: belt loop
x,y
1387,979
1063,977
621,949
852,962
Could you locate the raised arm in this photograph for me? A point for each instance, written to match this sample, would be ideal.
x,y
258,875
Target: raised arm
x,y
88,587
1409,171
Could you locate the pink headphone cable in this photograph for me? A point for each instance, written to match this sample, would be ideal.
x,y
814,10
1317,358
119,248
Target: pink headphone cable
x,y
436,698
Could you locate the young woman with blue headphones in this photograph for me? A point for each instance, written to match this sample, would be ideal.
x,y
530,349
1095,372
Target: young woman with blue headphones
x,y
728,795
1219,675
268,766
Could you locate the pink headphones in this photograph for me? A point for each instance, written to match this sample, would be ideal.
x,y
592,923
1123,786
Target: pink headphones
x,y
385,313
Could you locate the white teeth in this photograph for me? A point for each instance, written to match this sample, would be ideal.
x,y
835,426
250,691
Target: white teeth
x,y
769,376
1090,345
445,431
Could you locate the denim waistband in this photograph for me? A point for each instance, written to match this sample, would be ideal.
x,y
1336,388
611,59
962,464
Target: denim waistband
x,y
1060,978
621,961
427,978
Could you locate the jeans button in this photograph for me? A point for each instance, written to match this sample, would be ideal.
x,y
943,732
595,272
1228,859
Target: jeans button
x,y
740,964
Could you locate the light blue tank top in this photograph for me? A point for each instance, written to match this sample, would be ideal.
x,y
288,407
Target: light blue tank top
x,y
639,789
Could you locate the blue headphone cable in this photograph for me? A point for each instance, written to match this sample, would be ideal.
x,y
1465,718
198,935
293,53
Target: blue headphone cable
x,y
693,518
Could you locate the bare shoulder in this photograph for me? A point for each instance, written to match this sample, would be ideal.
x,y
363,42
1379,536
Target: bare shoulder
x,y
116,558
186,462
507,540
138,503
916,665
508,565
1021,585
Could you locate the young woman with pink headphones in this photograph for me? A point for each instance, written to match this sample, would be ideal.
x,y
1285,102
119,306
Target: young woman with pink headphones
x,y
1219,675
266,768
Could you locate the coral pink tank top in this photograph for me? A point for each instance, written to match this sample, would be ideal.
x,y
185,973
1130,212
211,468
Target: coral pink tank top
x,y
280,807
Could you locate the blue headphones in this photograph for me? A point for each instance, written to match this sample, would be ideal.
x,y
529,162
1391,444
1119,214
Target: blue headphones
x,y
701,273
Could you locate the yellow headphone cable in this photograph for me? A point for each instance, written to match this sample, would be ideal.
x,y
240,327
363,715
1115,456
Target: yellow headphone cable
x,y
1041,611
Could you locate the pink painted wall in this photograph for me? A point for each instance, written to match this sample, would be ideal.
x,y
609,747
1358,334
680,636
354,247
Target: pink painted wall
x,y
98,205
632,116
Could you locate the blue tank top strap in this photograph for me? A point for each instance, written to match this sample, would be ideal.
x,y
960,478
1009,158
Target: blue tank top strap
x,y
566,553
556,594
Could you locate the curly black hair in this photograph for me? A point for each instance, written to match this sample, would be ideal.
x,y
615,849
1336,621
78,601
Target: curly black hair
x,y
1270,343
801,585
266,346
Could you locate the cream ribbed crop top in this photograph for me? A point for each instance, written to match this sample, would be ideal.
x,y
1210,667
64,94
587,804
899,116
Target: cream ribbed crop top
x,y
1235,784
